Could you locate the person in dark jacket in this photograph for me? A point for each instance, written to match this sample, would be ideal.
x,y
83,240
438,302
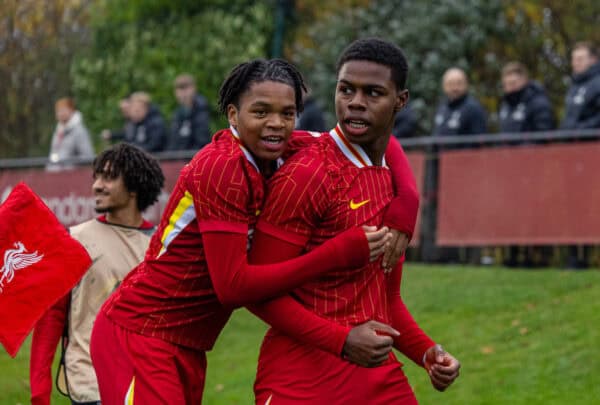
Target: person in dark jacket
x,y
149,131
583,97
582,112
525,106
459,113
126,132
405,123
189,128
311,118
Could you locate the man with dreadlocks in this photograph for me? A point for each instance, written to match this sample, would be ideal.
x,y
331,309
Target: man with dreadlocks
x,y
126,182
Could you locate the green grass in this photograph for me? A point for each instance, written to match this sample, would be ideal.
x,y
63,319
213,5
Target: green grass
x,y
523,337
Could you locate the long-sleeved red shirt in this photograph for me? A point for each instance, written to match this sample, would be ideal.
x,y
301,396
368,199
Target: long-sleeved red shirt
x,y
307,205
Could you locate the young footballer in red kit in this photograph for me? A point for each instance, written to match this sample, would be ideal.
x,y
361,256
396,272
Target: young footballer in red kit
x,y
150,338
339,182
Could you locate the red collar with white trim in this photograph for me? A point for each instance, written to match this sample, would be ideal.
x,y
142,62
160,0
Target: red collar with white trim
x,y
354,152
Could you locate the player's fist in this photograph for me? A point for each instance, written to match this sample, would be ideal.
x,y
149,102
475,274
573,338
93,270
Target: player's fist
x,y
378,240
441,366
369,344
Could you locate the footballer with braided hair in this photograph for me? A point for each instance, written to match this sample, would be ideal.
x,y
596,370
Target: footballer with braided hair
x,y
150,337
126,181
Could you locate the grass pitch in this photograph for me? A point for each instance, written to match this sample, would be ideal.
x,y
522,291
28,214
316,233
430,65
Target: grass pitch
x,y
523,337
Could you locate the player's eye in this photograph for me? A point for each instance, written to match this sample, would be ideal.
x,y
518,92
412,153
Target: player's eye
x,y
345,90
289,114
260,113
374,93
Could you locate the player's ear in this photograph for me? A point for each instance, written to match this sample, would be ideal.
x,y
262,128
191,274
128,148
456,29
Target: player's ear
x,y
232,115
401,100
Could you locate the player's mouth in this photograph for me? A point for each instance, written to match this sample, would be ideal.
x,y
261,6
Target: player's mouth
x,y
355,127
273,143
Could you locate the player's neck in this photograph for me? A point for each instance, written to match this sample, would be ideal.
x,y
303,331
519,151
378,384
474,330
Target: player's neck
x,y
376,149
266,167
128,216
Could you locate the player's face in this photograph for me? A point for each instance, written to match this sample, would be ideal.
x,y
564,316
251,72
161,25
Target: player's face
x,y
366,101
110,194
265,118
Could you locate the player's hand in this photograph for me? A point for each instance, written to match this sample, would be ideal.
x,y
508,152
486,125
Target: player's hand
x,y
441,366
394,251
369,344
378,240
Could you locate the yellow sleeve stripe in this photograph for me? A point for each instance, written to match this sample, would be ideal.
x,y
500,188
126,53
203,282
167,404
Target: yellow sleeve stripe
x,y
183,214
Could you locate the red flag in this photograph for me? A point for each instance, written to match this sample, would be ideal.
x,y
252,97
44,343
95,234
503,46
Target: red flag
x,y
40,263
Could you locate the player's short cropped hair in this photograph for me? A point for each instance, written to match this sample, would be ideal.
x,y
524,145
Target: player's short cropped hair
x,y
590,46
379,51
245,74
141,172
515,68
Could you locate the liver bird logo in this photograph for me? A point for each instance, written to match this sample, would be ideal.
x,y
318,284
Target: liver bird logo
x,y
16,259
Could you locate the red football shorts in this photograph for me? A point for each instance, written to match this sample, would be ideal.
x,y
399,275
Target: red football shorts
x,y
136,369
291,373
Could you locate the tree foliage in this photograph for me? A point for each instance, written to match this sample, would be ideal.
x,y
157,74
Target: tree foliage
x,y
38,40
476,35
144,45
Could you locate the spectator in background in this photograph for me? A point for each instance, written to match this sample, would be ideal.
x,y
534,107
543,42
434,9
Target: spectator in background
x,y
582,112
149,131
189,129
311,118
70,139
405,123
127,132
525,106
459,113
583,97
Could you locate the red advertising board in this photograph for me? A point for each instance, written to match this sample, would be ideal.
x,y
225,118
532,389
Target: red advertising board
x,y
519,195
68,193
417,163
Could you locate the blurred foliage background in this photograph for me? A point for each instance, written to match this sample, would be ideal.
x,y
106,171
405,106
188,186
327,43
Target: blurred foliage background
x,y
99,51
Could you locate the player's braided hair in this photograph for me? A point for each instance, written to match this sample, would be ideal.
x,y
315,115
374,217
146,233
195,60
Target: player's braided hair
x,y
379,51
141,172
256,71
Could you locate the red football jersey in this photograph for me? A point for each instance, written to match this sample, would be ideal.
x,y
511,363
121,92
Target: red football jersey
x,y
323,190
170,295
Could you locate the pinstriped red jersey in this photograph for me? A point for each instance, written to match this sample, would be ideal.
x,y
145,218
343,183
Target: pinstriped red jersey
x,y
323,190
170,295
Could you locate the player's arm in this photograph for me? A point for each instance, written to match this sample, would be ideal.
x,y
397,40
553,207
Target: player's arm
x,y
361,344
401,214
46,336
441,366
238,283
300,140
221,194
